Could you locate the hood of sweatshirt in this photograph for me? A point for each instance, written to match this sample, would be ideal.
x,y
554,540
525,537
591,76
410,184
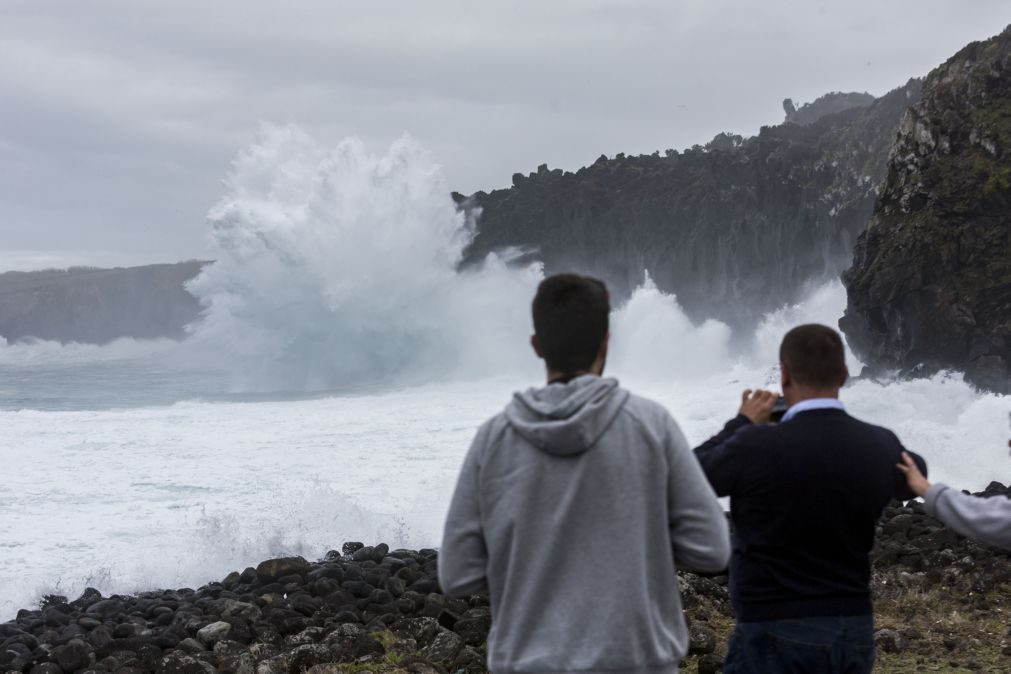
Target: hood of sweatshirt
x,y
566,419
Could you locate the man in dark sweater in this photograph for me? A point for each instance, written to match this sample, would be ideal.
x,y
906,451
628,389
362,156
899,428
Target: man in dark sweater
x,y
805,496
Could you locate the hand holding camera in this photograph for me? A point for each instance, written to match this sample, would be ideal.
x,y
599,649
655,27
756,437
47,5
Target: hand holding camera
x,y
758,406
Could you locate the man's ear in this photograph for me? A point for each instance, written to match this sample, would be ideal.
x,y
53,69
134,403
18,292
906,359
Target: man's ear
x,y
784,375
845,376
537,347
602,352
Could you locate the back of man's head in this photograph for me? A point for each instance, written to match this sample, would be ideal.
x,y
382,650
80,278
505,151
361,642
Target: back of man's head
x,y
814,356
570,321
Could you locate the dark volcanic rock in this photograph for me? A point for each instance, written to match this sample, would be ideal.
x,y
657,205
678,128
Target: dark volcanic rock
x,y
443,649
72,657
262,626
178,662
272,569
735,228
930,285
473,626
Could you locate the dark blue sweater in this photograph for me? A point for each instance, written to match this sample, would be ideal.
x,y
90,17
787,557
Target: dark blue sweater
x,y
805,497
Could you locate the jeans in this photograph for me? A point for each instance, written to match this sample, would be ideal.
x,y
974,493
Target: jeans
x,y
837,645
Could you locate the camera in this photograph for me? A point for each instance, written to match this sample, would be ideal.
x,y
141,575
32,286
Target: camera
x,y
778,410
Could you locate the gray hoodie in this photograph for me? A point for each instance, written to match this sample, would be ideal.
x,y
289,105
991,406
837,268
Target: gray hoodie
x,y
986,519
573,508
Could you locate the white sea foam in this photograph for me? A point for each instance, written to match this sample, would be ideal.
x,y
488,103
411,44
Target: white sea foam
x,y
337,271
338,266
31,353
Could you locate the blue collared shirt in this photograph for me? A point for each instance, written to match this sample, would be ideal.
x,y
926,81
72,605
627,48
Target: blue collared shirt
x,y
813,404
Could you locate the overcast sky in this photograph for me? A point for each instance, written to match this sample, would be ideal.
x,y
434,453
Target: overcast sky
x,y
118,118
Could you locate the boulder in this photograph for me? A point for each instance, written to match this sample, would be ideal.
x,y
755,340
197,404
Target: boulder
x,y
701,639
890,641
74,656
473,626
213,633
46,668
272,569
443,649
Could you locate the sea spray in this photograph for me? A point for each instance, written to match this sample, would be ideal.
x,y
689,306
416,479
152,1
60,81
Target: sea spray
x,y
337,266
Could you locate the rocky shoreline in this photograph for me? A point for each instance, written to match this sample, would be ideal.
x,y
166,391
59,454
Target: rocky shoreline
x,y
941,602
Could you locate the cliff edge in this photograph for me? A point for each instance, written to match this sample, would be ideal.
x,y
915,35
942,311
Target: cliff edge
x,y
96,306
930,283
735,228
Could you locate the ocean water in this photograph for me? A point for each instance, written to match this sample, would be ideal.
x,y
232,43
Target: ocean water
x,y
335,384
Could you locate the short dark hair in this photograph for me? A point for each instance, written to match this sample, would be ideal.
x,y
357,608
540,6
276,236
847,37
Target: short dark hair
x,y
814,355
571,314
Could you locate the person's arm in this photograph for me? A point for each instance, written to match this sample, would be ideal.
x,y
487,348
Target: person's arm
x,y
985,519
729,428
718,455
463,557
700,537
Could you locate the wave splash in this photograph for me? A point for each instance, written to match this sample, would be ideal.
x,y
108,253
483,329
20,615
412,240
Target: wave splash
x,y
339,266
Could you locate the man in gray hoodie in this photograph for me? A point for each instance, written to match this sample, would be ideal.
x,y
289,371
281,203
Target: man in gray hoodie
x,y
575,506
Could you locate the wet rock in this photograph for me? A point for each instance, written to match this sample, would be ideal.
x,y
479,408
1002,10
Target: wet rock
x,y
351,642
304,657
179,662
332,571
213,633
468,661
474,625
310,635
26,640
55,618
238,663
351,547
273,569
87,598
191,645
149,655
47,668
363,554
443,649
435,604
15,657
106,608
74,656
421,629
8,630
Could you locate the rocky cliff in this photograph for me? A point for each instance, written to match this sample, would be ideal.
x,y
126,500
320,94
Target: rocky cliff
x,y
98,305
734,228
829,104
930,284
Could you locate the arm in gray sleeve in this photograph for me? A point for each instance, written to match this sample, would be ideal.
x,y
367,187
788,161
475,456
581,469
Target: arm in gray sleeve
x,y
698,527
987,520
463,558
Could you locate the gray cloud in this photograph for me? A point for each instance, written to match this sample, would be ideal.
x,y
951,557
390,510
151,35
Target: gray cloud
x,y
119,119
